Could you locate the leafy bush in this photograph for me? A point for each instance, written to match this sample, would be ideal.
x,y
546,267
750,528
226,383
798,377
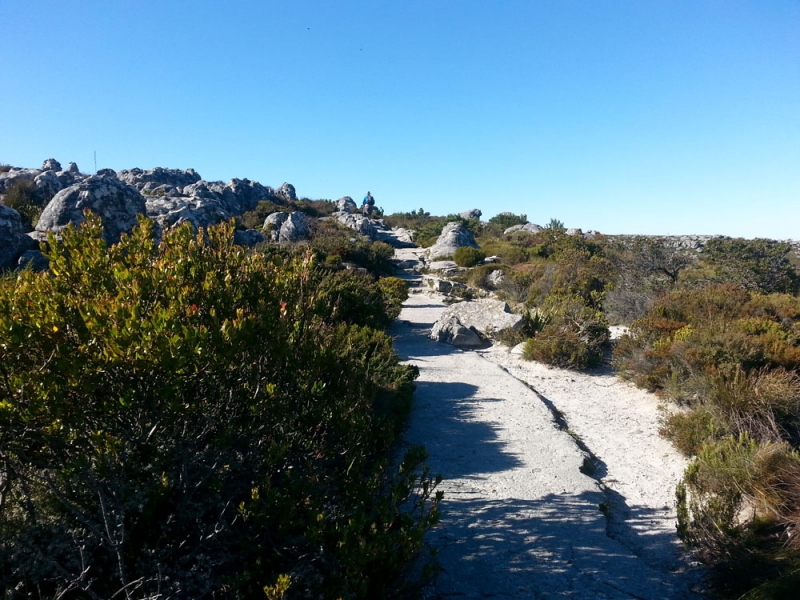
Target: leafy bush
x,y
466,256
179,419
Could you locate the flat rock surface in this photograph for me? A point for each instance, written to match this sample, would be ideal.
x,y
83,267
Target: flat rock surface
x,y
520,518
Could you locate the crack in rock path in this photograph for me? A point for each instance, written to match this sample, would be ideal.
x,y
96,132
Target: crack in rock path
x,y
529,510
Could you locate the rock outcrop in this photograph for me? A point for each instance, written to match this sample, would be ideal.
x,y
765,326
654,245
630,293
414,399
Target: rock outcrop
x,y
359,223
287,227
451,331
13,241
286,192
170,211
527,228
486,316
453,236
114,201
475,213
346,204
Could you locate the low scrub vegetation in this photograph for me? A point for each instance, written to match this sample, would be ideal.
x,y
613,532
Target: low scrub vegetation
x,y
193,419
729,358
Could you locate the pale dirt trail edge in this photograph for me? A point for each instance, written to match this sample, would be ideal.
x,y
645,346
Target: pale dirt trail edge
x,y
531,509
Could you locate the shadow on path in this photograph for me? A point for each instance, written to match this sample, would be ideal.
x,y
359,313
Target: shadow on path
x,y
554,546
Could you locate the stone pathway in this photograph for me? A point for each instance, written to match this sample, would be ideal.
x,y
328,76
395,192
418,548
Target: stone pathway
x,y
525,508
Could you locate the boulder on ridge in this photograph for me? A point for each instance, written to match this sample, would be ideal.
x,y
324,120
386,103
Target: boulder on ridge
x,y
114,201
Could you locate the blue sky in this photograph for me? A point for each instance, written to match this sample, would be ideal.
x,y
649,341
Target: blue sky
x,y
639,116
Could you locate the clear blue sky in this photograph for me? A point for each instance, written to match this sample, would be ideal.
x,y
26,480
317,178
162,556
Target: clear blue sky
x,y
637,116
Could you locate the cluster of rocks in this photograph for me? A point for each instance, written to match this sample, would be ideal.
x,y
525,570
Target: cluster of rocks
x,y
169,197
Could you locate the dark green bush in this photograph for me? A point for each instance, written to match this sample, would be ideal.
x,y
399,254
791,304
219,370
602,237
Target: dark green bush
x,y
466,256
179,419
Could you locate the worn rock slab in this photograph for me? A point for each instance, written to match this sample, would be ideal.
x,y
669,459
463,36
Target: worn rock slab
x,y
486,315
453,332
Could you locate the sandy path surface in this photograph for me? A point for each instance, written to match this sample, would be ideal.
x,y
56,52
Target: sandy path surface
x,y
526,503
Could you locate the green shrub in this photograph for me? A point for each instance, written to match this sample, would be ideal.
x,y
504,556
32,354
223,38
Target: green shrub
x,y
507,219
732,505
466,256
395,292
179,419
573,337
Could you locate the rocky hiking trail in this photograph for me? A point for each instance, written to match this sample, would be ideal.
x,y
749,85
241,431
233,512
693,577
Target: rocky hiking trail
x,y
556,483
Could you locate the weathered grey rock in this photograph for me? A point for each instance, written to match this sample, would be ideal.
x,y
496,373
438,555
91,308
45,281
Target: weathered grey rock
x,y
295,229
442,286
34,260
250,237
73,168
445,266
471,214
453,236
170,211
357,222
286,192
450,330
490,260
13,241
286,228
14,175
495,278
106,173
47,184
486,315
574,231
115,202
139,178
527,228
51,164
242,195
68,178
346,204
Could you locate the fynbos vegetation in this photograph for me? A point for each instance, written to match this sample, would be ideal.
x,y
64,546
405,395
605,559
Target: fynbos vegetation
x,y
192,419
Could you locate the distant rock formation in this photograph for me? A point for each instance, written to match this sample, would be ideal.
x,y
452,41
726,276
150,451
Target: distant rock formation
x,y
475,213
453,236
